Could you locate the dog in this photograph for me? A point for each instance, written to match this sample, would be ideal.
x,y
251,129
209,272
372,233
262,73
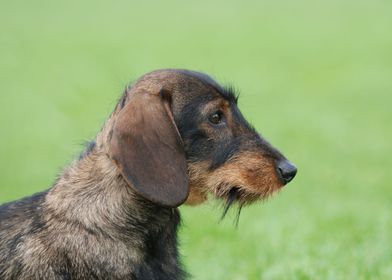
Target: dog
x,y
175,136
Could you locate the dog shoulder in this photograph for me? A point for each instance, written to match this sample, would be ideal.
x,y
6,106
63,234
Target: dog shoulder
x,y
18,219
20,210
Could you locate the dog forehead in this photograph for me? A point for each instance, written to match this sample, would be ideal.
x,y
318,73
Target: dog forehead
x,y
187,87
202,78
200,90
185,81
226,93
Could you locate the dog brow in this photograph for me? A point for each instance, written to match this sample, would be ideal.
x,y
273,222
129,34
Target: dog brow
x,y
227,92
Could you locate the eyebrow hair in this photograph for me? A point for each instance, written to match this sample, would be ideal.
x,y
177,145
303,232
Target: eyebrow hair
x,y
228,92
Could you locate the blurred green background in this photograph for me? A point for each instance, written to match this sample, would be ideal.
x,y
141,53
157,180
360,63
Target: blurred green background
x,y
315,79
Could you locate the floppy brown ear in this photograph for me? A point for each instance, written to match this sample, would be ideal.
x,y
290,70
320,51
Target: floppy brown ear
x,y
147,148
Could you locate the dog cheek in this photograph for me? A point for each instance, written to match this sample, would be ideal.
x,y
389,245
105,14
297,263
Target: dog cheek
x,y
198,148
197,173
196,196
223,179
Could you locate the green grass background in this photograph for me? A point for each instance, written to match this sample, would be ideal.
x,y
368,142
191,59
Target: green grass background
x,y
315,79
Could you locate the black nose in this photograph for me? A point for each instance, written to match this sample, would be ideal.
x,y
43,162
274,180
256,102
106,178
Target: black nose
x,y
286,170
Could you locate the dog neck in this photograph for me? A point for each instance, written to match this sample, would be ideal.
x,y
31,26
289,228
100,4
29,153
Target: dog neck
x,y
92,193
92,197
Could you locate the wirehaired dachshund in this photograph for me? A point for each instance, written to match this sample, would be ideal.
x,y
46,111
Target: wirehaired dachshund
x,y
174,137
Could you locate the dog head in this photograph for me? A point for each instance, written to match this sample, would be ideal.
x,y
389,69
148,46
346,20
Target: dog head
x,y
178,136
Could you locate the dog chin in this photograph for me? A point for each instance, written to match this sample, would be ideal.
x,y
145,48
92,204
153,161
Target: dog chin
x,y
196,197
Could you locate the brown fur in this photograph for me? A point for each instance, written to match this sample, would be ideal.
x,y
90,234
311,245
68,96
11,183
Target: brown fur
x,y
250,172
112,213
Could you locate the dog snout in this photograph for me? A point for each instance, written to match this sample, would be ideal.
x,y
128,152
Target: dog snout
x,y
286,170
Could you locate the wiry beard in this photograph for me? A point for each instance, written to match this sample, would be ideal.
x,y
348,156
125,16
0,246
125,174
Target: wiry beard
x,y
232,197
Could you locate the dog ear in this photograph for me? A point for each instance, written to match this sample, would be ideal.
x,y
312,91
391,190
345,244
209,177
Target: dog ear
x,y
147,148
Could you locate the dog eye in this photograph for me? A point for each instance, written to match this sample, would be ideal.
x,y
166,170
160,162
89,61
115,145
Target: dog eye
x,y
216,117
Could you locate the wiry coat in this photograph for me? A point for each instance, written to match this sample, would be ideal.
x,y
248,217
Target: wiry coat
x,y
90,225
174,136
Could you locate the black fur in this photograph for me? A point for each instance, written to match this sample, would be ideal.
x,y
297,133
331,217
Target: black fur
x,y
156,232
93,224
